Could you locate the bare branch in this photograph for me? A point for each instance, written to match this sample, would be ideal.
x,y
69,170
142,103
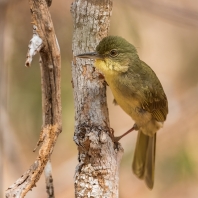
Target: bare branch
x,y
49,180
44,40
167,11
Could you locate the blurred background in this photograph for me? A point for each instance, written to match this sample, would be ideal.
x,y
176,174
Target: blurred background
x,y
165,34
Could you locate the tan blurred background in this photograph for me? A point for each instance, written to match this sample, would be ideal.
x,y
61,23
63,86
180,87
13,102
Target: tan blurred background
x,y
165,34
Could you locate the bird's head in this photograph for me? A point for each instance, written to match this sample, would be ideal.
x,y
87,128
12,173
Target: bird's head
x,y
113,54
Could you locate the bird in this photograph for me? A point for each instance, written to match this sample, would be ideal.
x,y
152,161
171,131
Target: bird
x,y
138,91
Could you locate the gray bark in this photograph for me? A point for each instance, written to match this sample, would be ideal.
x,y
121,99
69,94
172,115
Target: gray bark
x,y
97,174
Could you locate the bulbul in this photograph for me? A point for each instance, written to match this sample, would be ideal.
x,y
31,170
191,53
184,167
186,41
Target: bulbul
x,y
138,91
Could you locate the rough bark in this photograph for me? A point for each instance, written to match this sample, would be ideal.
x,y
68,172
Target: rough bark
x,y
43,41
48,167
97,172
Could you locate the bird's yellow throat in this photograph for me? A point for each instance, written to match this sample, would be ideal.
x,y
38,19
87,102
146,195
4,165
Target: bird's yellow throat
x,y
110,67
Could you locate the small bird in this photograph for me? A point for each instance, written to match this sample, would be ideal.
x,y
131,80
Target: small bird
x,y
138,91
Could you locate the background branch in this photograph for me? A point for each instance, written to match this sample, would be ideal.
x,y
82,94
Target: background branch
x,y
182,15
49,180
52,123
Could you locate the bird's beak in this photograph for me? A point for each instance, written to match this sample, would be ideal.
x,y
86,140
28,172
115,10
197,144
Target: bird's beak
x,y
90,55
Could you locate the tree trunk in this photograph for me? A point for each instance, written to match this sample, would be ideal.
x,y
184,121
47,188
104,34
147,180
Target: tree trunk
x,y
97,172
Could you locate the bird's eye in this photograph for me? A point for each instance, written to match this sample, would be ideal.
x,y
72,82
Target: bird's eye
x,y
113,53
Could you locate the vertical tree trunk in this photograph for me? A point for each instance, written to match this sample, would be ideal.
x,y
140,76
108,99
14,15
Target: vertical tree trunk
x,y
97,172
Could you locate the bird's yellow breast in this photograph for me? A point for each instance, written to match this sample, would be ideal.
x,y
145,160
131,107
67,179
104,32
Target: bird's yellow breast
x,y
123,94
112,77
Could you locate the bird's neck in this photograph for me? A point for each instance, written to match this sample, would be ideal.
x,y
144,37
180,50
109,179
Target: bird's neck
x,y
113,69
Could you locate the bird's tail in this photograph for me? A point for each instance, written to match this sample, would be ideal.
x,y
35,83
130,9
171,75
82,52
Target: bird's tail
x,y
144,158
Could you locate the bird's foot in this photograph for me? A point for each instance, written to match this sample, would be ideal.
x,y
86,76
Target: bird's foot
x,y
116,139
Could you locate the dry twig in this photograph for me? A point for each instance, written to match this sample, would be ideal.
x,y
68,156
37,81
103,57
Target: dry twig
x,y
44,41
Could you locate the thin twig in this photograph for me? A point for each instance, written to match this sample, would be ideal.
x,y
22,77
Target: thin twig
x,y
49,180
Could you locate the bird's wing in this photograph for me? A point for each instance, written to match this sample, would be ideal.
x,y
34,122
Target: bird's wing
x,y
156,104
154,100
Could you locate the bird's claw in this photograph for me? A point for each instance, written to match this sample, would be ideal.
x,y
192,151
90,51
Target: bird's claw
x,y
116,139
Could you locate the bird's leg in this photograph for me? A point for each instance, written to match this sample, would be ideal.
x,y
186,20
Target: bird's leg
x,y
116,139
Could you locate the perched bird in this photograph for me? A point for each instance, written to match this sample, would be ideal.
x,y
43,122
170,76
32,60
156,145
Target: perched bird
x,y
138,91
